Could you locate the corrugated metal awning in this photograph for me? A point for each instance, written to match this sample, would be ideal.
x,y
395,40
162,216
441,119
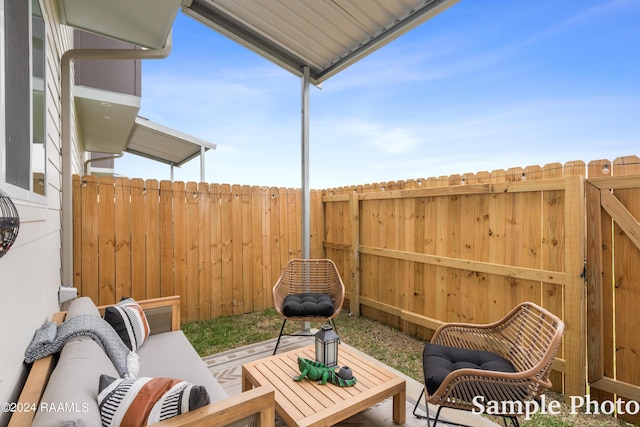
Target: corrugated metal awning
x,y
164,144
326,36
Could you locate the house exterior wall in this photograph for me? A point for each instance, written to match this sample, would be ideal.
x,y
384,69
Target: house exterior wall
x,y
122,76
30,272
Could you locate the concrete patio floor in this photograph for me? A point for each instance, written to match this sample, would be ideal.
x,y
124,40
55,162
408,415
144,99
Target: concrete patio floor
x,y
226,367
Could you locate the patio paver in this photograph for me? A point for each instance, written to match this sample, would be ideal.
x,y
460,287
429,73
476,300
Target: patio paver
x,y
227,368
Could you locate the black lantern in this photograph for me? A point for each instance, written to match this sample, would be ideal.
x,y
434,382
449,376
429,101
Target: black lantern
x,y
9,223
327,346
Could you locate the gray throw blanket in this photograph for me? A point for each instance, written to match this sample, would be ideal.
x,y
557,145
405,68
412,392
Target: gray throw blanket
x,y
50,339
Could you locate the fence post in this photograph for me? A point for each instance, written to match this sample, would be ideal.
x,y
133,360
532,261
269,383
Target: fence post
x,y
354,214
575,337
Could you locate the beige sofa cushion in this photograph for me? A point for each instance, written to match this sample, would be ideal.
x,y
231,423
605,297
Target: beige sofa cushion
x,y
170,354
70,398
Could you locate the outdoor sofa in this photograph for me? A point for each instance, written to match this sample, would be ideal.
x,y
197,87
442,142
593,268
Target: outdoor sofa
x,y
62,389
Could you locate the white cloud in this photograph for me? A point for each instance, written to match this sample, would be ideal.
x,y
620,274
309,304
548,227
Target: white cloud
x,y
388,140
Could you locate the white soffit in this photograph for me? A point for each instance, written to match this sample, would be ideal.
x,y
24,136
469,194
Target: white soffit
x,y
145,23
326,36
163,144
105,118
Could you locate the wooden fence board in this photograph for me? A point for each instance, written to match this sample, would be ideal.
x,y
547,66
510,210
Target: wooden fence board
x,y
167,260
476,228
122,246
386,282
192,261
552,252
215,218
78,249
204,252
226,218
429,242
574,313
247,250
236,250
153,258
442,279
367,237
497,232
407,240
294,224
138,211
270,249
106,242
274,241
180,246
258,213
418,298
283,226
453,285
316,224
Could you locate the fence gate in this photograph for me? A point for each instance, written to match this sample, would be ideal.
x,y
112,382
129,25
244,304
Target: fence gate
x,y
613,293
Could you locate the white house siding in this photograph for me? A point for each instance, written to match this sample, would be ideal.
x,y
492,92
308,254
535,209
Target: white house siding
x,y
30,271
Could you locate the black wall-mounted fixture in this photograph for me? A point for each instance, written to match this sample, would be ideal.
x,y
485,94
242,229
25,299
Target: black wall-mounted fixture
x,y
9,223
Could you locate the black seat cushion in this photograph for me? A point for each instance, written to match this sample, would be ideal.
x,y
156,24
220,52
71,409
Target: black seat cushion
x,y
439,360
308,305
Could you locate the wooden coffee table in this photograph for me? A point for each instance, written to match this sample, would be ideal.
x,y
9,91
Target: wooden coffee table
x,y
307,403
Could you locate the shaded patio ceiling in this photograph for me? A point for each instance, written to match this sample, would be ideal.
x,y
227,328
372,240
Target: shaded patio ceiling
x,y
326,36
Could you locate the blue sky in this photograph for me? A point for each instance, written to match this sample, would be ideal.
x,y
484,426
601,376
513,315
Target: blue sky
x,y
485,85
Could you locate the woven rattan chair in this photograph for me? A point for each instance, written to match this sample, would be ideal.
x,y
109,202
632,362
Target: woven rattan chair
x,y
528,338
308,277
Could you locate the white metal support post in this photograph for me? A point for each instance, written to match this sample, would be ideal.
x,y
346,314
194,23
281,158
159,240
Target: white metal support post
x,y
202,151
306,197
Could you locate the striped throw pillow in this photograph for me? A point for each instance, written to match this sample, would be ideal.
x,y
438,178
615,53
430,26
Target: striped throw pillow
x,y
145,401
129,321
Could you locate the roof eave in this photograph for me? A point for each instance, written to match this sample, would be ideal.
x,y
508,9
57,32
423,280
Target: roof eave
x,y
235,29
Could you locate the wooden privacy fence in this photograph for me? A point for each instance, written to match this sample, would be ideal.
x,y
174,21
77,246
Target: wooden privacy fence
x,y
467,249
220,247
413,254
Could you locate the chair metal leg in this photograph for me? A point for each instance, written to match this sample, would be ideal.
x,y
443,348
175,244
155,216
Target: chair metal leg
x,y
284,322
333,324
415,409
514,421
427,417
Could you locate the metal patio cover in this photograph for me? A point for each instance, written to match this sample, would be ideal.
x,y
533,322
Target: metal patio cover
x,y
324,35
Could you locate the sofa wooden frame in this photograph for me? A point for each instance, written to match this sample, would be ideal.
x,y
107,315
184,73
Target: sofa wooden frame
x,y
258,402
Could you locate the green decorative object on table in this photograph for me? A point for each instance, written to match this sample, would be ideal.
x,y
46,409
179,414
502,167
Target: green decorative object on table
x,y
320,372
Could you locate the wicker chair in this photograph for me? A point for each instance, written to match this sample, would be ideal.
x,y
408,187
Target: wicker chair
x,y
528,338
305,277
